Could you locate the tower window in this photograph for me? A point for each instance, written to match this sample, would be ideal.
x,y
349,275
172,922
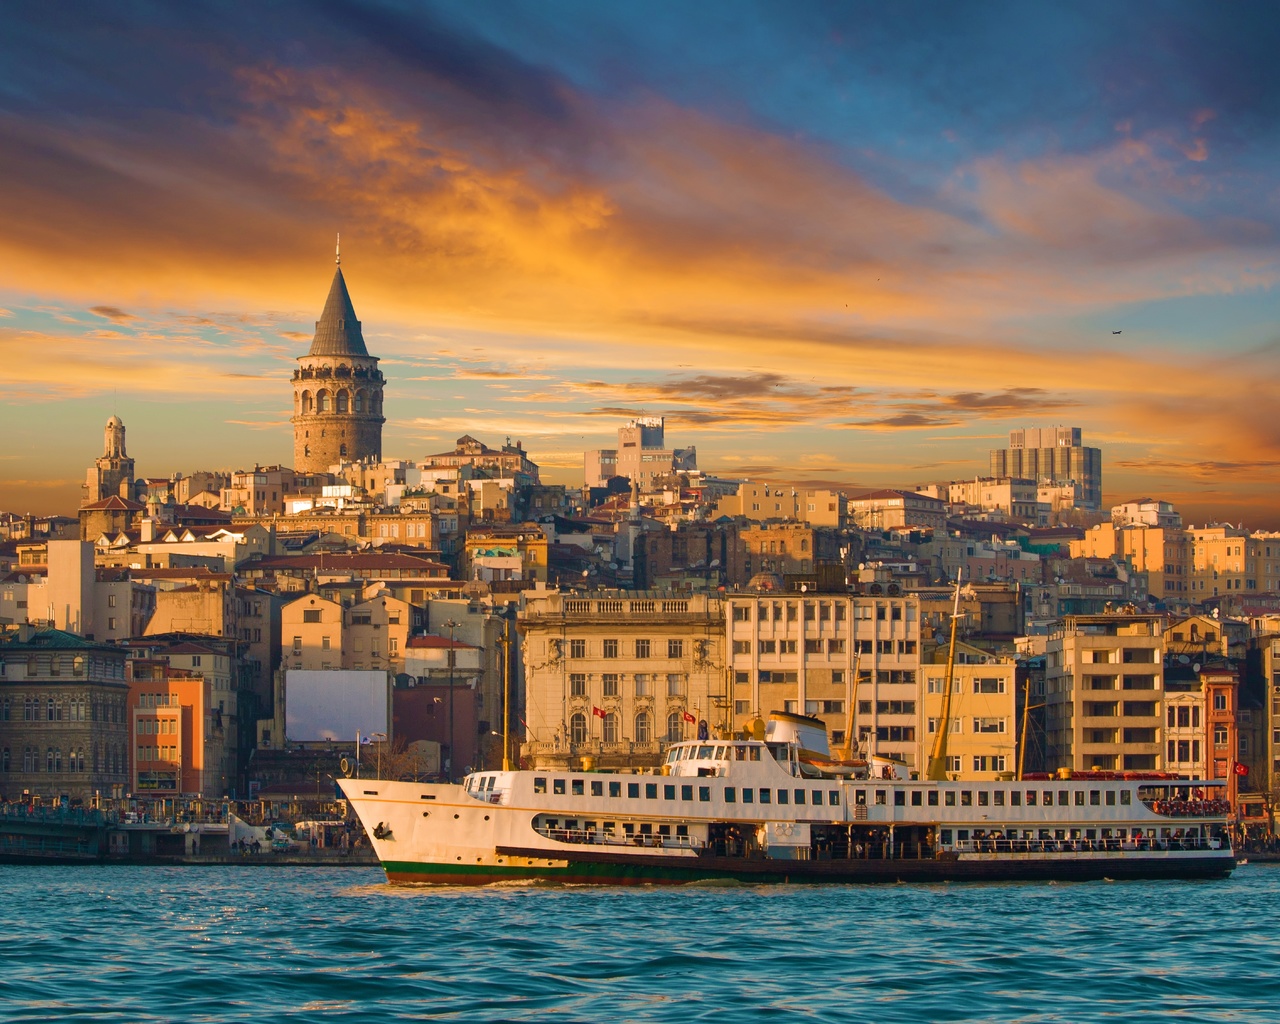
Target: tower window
x,y
342,450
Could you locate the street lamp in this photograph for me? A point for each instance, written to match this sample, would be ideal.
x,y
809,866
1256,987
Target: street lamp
x,y
451,625
377,737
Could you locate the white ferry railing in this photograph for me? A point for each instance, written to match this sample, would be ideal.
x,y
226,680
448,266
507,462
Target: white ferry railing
x,y
1113,845
591,838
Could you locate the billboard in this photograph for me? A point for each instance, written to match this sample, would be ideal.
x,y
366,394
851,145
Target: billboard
x,y
334,704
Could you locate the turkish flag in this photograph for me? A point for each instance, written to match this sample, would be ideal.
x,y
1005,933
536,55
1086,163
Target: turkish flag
x,y
598,712
689,718
1241,769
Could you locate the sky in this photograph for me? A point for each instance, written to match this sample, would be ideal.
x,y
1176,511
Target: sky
x,y
833,244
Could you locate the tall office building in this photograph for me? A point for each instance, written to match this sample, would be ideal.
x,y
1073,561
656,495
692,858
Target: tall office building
x,y
1053,455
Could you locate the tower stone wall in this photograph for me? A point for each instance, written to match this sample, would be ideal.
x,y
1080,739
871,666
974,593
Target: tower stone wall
x,y
337,391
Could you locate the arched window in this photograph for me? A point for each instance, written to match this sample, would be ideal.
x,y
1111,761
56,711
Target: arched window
x,y
342,450
4,712
48,761
675,727
343,400
578,728
610,729
57,760
644,727
28,760
307,405
4,760
322,401
51,710
306,451
359,401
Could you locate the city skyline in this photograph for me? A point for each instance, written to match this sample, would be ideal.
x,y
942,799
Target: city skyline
x,y
831,247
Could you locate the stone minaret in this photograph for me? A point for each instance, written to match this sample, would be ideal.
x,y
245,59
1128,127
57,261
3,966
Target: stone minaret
x,y
337,391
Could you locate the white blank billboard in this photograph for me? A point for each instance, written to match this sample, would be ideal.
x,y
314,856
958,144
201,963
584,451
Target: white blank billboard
x,y
334,704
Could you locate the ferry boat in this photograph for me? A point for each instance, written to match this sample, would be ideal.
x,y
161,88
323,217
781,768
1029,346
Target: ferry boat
x,y
782,809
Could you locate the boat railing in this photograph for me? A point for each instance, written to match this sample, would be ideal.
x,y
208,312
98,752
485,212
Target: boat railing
x,y
596,838
1112,844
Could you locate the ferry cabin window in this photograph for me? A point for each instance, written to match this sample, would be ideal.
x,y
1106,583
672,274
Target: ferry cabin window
x,y
704,794
730,795
816,799
686,792
1111,798
1126,797
860,797
950,798
664,830
597,788
998,797
799,797
1095,797
668,792
1015,798
880,797
615,789
899,798
1064,798
782,796
557,786
748,796
539,785
1047,798
682,830
633,790
983,797
1031,798
578,787
946,837
766,795
646,829
755,753
933,798
704,753
651,791
1079,801
966,798
739,753
833,798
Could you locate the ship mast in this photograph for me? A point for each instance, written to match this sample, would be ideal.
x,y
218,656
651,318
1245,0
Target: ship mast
x,y
937,769
851,718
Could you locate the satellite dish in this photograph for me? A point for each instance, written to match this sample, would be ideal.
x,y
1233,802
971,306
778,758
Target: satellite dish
x,y
862,565
715,563
1183,660
613,565
586,572
804,588
345,766
1195,667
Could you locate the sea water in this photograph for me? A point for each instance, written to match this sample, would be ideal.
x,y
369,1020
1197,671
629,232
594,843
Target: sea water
x,y
335,945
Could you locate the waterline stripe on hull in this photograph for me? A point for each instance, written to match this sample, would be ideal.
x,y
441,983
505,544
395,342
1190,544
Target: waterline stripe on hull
x,y
659,870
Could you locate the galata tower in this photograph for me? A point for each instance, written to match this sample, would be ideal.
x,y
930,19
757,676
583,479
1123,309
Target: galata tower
x,y
337,391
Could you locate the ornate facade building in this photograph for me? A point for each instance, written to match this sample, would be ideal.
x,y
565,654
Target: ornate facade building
x,y
337,391
112,474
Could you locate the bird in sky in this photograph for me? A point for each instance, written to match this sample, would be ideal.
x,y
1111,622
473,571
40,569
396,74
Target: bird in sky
x,y
1117,332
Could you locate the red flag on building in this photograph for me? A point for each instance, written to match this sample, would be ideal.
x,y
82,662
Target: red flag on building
x,y
1241,769
689,718
598,712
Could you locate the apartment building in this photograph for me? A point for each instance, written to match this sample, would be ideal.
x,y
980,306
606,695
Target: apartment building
x,y
1104,693
894,510
320,634
797,652
1162,552
982,741
616,676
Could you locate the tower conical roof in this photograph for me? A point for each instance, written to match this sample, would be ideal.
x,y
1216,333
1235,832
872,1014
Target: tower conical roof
x,y
338,330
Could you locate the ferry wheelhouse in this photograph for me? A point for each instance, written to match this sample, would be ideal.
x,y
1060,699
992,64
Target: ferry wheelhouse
x,y
784,809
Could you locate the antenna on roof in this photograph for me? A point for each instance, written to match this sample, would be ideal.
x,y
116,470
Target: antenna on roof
x,y
337,250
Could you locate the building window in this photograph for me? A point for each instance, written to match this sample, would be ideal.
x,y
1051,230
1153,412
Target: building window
x,y
610,682
578,727
675,684
644,727
675,649
577,648
642,648
610,649
311,615
675,727
609,728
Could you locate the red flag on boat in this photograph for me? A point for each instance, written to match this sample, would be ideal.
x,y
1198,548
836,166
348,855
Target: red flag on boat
x,y
689,718
1241,769
598,712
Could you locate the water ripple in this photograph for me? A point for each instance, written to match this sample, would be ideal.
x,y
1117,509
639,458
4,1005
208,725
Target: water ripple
x,y
215,945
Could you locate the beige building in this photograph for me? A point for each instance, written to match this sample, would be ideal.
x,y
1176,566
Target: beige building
x,y
1162,552
1016,497
1220,565
892,510
983,739
1186,748
317,634
259,491
764,501
618,675
798,652
1104,693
